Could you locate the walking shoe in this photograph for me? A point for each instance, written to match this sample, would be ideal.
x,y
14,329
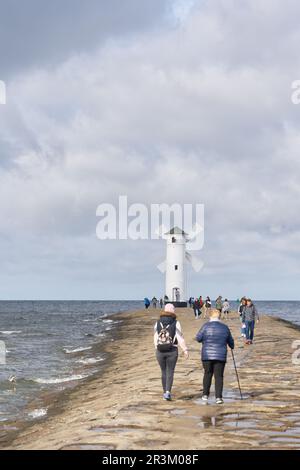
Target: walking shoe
x,y
205,398
167,396
219,401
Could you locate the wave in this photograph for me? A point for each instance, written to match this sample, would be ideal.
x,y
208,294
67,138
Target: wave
x,y
12,332
38,413
60,380
91,360
73,351
108,321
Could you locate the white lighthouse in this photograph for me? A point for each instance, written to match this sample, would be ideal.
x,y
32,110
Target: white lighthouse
x,y
176,266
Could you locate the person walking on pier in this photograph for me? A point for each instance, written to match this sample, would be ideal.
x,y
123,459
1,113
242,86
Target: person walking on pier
x,y
240,311
201,305
215,337
207,307
219,303
225,309
249,315
196,307
167,336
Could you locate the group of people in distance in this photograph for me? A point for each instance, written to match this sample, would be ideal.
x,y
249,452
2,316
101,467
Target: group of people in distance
x,y
215,337
201,306
154,302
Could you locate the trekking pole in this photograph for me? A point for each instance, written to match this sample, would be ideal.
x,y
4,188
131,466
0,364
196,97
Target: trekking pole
x,y
237,375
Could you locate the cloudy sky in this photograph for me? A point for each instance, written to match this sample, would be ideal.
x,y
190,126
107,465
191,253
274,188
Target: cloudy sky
x,y
163,101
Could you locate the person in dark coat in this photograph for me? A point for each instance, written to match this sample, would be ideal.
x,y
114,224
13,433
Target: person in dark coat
x,y
249,316
215,337
196,307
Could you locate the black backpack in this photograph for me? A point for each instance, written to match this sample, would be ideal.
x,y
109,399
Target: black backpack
x,y
166,336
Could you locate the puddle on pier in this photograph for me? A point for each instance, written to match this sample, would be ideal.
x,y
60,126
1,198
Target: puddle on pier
x,y
151,444
232,396
244,424
241,424
116,429
89,447
287,440
209,422
228,396
178,412
292,416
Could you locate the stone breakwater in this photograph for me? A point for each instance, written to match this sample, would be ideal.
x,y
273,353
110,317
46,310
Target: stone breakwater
x,y
124,408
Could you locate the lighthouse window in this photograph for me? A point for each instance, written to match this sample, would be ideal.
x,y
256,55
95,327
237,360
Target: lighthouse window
x,y
173,240
176,267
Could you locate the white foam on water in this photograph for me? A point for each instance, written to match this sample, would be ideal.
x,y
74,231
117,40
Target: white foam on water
x,y
39,413
72,351
12,332
90,360
108,321
60,380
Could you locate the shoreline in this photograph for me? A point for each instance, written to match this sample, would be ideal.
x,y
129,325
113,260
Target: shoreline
x,y
122,408
55,400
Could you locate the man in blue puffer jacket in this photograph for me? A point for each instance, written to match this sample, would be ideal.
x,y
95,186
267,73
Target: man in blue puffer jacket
x,y
215,337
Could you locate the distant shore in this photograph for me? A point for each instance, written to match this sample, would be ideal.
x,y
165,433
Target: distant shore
x,y
123,408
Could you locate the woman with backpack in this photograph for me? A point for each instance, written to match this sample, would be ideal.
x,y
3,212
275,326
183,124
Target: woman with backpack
x,y
167,336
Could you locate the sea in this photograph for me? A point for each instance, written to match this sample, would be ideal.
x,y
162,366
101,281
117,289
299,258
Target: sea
x,y
47,347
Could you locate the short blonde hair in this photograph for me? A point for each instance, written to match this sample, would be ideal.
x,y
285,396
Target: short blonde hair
x,y
215,313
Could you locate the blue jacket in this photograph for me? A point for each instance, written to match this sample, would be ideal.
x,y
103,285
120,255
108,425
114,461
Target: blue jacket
x,y
215,336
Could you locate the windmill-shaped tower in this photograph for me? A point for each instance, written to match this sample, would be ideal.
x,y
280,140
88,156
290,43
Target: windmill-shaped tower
x,y
175,266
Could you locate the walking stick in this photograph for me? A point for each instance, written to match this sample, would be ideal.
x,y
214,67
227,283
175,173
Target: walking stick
x,y
237,375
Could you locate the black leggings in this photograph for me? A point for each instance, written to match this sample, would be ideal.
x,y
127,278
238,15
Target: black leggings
x,y
167,362
216,369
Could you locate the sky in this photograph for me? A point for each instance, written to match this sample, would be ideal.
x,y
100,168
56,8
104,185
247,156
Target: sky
x,y
164,101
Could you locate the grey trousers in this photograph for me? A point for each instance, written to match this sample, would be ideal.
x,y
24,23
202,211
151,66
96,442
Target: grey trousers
x,y
167,362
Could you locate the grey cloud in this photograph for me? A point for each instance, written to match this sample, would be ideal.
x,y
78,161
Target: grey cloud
x,y
193,113
38,32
